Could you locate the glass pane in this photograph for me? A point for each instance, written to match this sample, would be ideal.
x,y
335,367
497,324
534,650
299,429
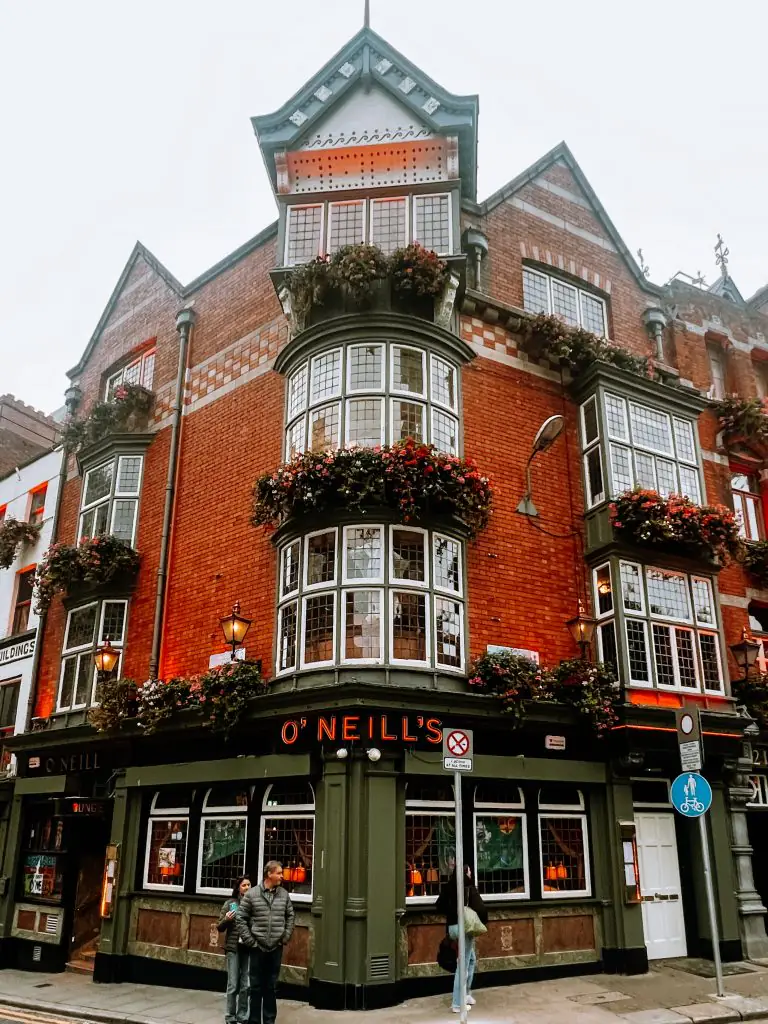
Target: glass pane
x,y
667,476
167,851
668,594
228,795
686,658
291,842
148,370
608,652
304,229
535,292
592,315
388,224
740,482
68,672
631,587
294,439
616,417
363,625
366,371
447,563
318,628
562,855
324,428
84,681
124,519
650,428
25,586
684,442
326,375
365,421
407,370
662,649
448,643
128,474
591,426
621,469
297,392
443,382
430,852
82,626
407,421
564,302
689,484
500,855
604,591
433,222
98,483
408,561
409,626
346,225
321,558
113,625
645,470
222,852
594,476
710,661
363,553
286,643
445,432
132,373
637,651
289,571
750,508
702,602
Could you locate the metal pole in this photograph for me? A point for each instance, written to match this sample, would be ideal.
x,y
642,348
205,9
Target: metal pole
x,y
711,903
462,965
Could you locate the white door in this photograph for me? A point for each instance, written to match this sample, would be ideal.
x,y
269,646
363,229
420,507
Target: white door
x,y
663,922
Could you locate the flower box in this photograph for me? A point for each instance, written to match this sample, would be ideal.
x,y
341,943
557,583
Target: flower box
x,y
128,412
94,563
15,533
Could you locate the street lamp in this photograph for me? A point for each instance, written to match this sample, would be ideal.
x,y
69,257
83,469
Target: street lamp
x,y
547,433
105,658
582,629
235,627
746,652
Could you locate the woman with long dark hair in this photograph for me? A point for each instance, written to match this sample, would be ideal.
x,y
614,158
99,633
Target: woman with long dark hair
x,y
238,956
447,903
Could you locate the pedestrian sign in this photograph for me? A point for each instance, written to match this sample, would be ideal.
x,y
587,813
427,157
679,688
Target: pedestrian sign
x,y
457,750
691,794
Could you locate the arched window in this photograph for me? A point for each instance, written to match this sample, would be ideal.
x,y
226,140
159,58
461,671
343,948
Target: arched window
x,y
501,841
167,834
430,839
563,845
288,834
223,833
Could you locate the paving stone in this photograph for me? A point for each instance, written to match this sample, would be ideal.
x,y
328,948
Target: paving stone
x,y
595,998
702,1012
749,1009
655,1017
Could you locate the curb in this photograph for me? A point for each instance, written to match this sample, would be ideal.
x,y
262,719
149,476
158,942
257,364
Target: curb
x,y
82,1013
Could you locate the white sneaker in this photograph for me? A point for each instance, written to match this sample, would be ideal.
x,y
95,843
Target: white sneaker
x,y
455,1009
471,1000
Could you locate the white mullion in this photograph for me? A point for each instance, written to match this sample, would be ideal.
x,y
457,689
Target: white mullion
x,y
172,887
344,659
497,812
567,894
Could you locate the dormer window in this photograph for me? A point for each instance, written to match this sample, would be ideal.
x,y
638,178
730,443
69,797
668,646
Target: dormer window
x,y
543,293
389,223
139,370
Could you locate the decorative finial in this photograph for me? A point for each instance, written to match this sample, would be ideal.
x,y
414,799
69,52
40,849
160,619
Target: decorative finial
x,y
699,281
367,14
721,255
644,268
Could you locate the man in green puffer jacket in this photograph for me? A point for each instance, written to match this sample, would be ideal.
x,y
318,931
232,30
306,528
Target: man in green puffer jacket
x,y
264,922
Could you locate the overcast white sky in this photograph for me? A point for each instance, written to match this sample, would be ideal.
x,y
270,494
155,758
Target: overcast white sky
x,y
131,120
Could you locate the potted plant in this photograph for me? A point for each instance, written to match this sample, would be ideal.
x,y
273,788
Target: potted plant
x,y
418,277
128,411
13,534
95,560
743,419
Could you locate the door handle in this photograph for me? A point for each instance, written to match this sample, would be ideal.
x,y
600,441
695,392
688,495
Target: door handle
x,y
662,896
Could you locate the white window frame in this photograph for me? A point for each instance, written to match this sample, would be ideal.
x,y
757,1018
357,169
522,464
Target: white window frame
x,y
180,814
126,495
288,226
76,653
716,360
320,407
343,659
633,612
439,666
348,419
397,392
412,400
287,604
708,583
677,685
691,426
709,631
504,811
301,632
395,581
668,453
96,502
571,893
436,587
437,411
293,414
325,399
113,496
433,195
289,812
326,584
655,616
297,542
642,683
549,278
406,227
118,644
333,205
382,346
361,582
603,624
422,809
116,379
453,409
596,594
217,814
411,662
301,423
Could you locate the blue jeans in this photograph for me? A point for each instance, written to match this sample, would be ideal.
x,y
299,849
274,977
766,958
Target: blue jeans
x,y
470,959
265,968
238,964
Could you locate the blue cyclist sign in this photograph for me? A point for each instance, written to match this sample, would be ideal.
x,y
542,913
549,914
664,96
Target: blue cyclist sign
x,y
691,794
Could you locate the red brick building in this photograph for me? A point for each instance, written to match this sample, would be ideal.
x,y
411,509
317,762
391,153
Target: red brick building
x,y
369,624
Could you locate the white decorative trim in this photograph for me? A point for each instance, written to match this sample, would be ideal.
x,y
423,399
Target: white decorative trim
x,y
452,158
721,460
383,66
323,93
559,222
431,105
732,601
347,70
298,117
230,386
407,85
518,364
563,193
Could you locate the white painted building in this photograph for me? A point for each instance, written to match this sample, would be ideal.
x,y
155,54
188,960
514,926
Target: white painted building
x,y
28,493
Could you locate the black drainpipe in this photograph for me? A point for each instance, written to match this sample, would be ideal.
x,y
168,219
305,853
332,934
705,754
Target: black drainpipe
x,y
184,322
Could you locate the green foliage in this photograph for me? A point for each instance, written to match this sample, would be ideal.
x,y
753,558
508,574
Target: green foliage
x,y
756,560
578,348
127,410
94,560
13,533
743,419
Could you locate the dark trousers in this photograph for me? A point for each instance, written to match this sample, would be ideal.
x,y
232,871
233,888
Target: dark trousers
x,y
265,967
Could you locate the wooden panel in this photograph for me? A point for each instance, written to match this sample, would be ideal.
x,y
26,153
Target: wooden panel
x,y
423,942
515,937
204,936
26,919
159,927
571,932
296,953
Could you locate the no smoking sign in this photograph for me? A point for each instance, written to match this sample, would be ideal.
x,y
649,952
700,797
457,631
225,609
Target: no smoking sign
x,y
457,750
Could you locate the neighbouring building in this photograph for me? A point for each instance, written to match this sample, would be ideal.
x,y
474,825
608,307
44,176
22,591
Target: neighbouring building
x,y
365,620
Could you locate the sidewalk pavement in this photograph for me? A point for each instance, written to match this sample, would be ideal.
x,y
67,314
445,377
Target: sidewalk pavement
x,y
669,994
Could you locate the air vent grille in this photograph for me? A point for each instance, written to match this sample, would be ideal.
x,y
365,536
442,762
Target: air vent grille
x,y
37,954
378,968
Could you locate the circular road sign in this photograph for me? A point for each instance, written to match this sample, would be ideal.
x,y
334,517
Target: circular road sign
x,y
691,794
686,724
458,743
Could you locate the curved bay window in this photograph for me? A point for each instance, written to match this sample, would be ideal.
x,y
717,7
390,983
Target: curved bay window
x,y
501,842
371,595
288,834
223,833
167,834
430,840
372,394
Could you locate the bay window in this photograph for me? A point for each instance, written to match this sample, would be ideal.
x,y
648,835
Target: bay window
x,y
545,293
110,498
87,627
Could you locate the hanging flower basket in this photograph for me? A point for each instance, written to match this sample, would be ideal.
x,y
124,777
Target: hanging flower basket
x,y
547,336
743,419
13,534
677,524
756,561
591,690
128,411
94,560
413,478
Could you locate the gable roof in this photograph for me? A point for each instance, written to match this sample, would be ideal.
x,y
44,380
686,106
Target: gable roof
x,y
725,288
760,298
365,59
562,154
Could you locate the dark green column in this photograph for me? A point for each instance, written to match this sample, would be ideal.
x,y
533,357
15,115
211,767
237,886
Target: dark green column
x,y
623,935
126,823
9,862
330,868
384,871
